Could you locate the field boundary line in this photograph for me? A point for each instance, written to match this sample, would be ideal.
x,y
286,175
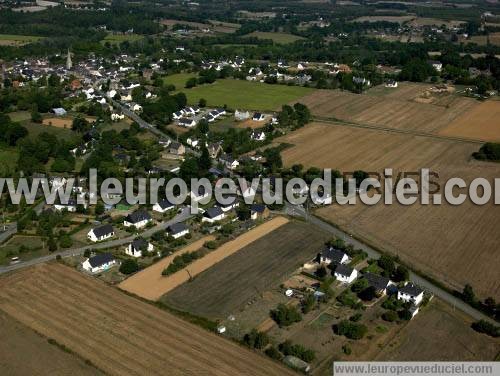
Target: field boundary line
x,y
343,123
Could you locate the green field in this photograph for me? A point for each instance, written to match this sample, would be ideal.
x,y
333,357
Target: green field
x,y
17,40
239,94
33,247
178,80
8,156
282,38
119,38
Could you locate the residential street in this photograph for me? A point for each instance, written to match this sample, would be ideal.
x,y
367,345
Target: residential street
x,y
110,244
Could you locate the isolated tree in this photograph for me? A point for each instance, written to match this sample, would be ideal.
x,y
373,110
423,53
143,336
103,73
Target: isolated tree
x,y
202,102
129,266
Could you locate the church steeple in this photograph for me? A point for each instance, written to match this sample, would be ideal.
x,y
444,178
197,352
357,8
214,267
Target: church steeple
x,y
69,63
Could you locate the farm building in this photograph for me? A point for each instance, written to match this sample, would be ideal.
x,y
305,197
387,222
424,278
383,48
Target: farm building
x,y
101,233
99,263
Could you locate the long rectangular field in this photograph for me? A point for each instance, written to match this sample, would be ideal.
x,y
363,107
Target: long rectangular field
x,y
230,284
119,334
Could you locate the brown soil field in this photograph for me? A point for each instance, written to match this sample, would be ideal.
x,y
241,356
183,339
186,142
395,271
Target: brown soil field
x,y
230,284
398,108
150,284
24,352
439,333
249,123
480,123
120,334
58,122
454,244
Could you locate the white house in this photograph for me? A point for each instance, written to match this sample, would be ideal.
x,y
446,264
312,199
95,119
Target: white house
x,y
101,233
229,161
116,117
177,115
138,219
135,107
99,263
177,230
227,207
187,122
411,293
332,255
200,194
163,206
345,274
69,206
258,116
391,83
437,65
136,248
258,136
212,215
241,115
381,284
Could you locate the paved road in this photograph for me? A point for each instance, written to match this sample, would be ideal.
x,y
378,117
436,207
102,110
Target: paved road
x,y
11,228
184,215
372,253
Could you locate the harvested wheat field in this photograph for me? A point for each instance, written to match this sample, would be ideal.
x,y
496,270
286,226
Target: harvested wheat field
x,y
440,333
408,107
150,284
480,123
24,352
454,244
227,287
58,122
117,333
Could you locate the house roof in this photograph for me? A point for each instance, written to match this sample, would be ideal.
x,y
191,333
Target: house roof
x,y
411,289
176,228
258,208
138,216
213,212
377,281
100,259
344,270
139,243
165,204
103,230
335,255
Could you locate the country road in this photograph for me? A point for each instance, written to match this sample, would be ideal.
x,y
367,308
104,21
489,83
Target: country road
x,y
184,215
372,253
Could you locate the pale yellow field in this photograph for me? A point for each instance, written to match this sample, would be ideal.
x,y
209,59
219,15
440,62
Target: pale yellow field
x,y
481,123
456,245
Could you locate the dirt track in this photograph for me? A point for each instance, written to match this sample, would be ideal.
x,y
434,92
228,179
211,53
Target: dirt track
x,y
119,334
150,284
